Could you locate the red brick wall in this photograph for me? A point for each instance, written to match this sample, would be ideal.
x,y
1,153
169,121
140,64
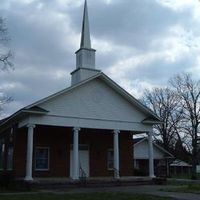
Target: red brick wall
x,y
99,142
126,154
4,137
8,142
59,141
19,155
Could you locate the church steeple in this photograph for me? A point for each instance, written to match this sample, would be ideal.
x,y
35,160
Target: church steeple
x,y
85,36
85,56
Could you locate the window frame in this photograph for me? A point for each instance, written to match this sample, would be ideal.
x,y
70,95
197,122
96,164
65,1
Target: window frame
x,y
48,158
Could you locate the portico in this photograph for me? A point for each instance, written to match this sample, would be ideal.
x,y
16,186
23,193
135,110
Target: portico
x,y
97,142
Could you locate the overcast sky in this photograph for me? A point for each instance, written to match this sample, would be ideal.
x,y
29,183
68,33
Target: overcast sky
x,y
140,43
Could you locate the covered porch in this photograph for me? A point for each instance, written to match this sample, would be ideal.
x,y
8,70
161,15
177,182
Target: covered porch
x,y
74,153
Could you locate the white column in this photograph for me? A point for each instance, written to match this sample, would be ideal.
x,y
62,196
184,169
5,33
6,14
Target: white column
x,y
29,153
116,153
76,153
151,156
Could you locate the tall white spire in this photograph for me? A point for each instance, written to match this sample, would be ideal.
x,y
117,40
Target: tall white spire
x,y
85,36
85,56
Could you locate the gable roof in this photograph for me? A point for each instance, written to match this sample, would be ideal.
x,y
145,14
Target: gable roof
x,y
180,163
138,141
35,107
152,116
3,120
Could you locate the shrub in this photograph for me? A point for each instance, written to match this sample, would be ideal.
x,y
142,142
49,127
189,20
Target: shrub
x,y
6,179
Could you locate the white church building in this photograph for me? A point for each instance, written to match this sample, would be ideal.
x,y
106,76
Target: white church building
x,y
85,129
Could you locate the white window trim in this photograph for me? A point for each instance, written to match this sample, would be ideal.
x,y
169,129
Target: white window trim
x,y
110,169
39,147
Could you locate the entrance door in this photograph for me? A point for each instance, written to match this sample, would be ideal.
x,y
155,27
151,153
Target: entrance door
x,y
83,162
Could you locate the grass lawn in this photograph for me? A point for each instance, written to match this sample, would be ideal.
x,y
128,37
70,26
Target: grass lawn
x,y
194,188
190,188
88,196
184,176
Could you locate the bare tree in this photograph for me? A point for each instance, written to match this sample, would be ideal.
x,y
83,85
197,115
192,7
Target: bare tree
x,y
163,101
188,92
5,54
4,99
5,58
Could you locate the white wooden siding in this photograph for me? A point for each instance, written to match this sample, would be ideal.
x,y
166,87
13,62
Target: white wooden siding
x,y
91,105
141,151
94,100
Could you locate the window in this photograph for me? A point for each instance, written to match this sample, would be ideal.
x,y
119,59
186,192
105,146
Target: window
x,y
110,159
10,158
2,149
136,164
42,158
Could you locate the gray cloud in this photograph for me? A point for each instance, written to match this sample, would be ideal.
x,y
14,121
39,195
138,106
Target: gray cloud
x,y
131,23
45,35
159,71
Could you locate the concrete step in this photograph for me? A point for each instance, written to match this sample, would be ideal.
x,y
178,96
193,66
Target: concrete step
x,y
88,183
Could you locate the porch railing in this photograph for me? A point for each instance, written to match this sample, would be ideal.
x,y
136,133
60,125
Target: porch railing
x,y
82,176
116,173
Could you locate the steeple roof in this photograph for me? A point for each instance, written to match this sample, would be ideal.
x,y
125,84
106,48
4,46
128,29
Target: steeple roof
x,y
85,56
85,36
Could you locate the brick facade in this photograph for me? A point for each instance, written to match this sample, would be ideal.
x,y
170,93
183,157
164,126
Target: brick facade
x,y
59,141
